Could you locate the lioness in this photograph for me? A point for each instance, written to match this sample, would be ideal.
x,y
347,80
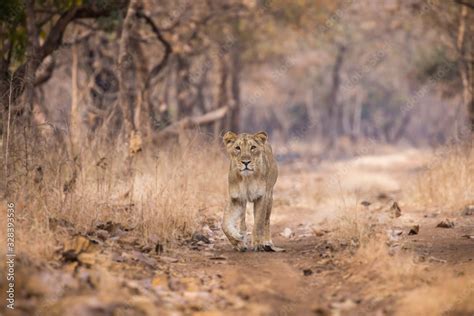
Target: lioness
x,y
252,174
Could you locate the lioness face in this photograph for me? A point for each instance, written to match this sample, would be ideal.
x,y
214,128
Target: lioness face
x,y
245,150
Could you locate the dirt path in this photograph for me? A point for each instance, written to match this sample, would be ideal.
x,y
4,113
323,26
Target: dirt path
x,y
312,276
319,274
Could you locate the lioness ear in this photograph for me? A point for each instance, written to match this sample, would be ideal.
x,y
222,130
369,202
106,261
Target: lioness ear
x,y
261,136
229,138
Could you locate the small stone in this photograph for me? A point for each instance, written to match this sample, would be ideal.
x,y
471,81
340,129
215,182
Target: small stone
x,y
307,272
468,210
200,238
395,210
102,234
414,230
287,233
446,223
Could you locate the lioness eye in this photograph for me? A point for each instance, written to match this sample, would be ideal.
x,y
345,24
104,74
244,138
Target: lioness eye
x,y
253,147
237,147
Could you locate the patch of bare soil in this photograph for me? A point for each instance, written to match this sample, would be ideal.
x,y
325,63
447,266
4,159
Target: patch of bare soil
x,y
109,271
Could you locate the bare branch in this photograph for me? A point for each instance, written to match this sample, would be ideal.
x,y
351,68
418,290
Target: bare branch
x,y
168,49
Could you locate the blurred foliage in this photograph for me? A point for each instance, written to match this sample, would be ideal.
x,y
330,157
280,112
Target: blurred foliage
x,y
13,34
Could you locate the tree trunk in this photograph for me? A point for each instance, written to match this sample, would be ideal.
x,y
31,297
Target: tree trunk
x,y
235,89
334,122
32,61
222,98
74,129
127,78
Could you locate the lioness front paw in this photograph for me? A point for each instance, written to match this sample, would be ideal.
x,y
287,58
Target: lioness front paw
x,y
267,248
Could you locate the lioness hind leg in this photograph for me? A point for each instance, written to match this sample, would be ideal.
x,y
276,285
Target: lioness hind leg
x,y
233,217
259,212
267,240
243,226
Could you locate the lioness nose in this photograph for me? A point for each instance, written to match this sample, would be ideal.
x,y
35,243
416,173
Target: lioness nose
x,y
245,162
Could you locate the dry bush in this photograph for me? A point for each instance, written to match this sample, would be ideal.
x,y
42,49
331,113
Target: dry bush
x,y
165,194
382,272
447,293
447,182
354,224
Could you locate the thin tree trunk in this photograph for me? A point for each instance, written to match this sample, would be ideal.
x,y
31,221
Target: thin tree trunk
x,y
74,128
32,60
334,112
235,88
222,98
127,73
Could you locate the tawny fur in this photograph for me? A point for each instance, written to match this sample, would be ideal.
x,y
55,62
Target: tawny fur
x,y
252,175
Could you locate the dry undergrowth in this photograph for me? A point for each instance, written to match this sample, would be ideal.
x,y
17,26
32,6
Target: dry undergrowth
x,y
387,272
165,197
447,183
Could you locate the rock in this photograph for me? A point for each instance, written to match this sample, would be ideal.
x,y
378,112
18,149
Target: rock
x,y
320,311
102,234
365,203
395,210
468,236
345,305
414,230
394,234
287,233
307,272
200,238
446,223
468,210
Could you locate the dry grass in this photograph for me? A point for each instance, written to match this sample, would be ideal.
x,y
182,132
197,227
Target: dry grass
x,y
447,183
384,273
166,196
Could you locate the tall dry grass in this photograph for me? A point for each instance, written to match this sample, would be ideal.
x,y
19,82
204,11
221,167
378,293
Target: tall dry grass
x,y
164,194
447,182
